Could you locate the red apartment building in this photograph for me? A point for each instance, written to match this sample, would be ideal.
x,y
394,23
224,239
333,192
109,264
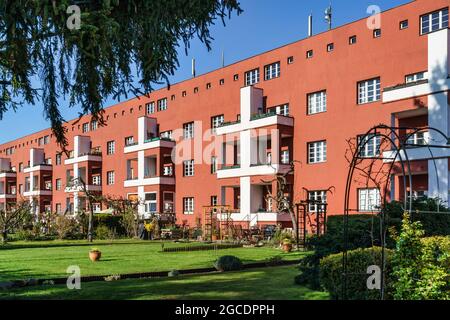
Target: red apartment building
x,y
300,102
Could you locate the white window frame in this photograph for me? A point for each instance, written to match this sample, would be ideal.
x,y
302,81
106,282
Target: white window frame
x,y
317,152
216,122
162,104
316,196
85,127
129,141
150,107
369,200
414,77
272,71
317,102
188,130
110,147
97,180
436,20
404,24
167,134
188,168
188,205
213,165
252,77
285,156
94,125
419,138
369,91
149,203
58,184
110,178
371,148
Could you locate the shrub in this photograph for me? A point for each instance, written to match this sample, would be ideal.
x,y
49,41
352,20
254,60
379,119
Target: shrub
x,y
110,221
102,232
421,265
65,226
357,263
228,263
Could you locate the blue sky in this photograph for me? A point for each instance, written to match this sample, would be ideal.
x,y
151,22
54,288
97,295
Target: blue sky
x,y
264,25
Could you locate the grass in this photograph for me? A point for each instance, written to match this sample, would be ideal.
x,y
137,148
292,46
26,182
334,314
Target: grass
x,y
43,260
275,283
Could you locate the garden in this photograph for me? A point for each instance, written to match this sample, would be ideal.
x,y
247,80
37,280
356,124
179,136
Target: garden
x,y
118,264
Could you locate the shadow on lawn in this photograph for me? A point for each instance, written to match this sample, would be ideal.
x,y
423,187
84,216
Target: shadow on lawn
x,y
36,244
267,283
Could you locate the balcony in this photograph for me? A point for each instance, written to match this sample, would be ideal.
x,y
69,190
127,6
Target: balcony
x,y
258,120
152,143
39,167
8,174
253,170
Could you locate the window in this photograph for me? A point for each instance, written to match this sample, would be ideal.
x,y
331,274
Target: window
x,y
172,97
196,90
370,147
58,184
168,202
419,138
252,77
434,21
330,47
167,134
404,24
20,167
41,141
415,77
110,176
46,140
216,121
96,207
110,147
150,107
285,157
208,86
188,168
272,71
58,159
150,203
168,171
282,110
162,104
309,54
368,200
188,130
352,40
85,127
317,198
188,205
317,152
290,60
213,165
96,180
222,82
236,77
317,102
214,201
94,125
369,91
184,94
129,141
377,33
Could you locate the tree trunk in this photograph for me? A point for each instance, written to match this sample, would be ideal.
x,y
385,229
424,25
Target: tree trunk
x,y
4,236
90,224
294,224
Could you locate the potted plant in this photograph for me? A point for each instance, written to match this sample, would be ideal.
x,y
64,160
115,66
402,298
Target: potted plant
x,y
95,254
215,235
287,245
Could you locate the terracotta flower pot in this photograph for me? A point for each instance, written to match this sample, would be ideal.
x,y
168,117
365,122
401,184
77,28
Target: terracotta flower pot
x,y
95,255
214,238
287,247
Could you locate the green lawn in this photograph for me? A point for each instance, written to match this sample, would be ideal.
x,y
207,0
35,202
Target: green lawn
x,y
268,283
23,260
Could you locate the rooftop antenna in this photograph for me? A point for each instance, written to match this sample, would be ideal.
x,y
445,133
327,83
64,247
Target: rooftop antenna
x,y
193,67
310,25
328,16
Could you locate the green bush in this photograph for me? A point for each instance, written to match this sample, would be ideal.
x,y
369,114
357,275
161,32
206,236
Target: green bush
x,y
421,265
102,232
228,263
358,261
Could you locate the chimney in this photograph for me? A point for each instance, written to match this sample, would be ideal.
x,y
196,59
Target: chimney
x,y
310,25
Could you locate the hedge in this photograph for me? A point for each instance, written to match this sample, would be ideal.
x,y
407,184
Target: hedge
x,y
358,261
110,221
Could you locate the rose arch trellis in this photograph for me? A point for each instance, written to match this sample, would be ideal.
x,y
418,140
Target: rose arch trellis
x,y
372,172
